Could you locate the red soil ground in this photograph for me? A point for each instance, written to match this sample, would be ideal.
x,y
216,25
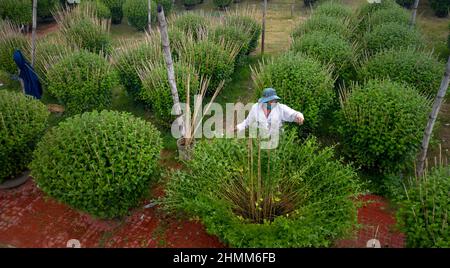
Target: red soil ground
x,y
30,219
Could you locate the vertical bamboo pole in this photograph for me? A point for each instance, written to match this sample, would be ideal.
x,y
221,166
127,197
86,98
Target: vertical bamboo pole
x,y
414,14
263,34
432,119
169,64
149,15
33,33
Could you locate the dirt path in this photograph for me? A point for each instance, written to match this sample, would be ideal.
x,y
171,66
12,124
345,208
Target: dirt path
x,y
30,219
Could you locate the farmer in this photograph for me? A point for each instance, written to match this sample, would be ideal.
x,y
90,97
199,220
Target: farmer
x,y
268,115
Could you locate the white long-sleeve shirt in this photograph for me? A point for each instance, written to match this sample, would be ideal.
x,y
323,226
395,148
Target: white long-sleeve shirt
x,y
280,113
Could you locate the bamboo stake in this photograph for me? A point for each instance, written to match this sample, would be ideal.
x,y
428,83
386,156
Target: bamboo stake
x,y
263,33
169,64
33,34
149,15
432,119
414,14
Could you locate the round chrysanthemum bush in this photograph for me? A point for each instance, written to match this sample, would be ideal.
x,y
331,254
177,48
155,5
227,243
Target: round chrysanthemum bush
x,y
156,92
82,81
10,40
302,82
296,195
423,212
365,10
98,162
382,16
420,69
235,36
46,7
248,25
212,60
98,7
381,125
23,121
131,58
329,49
333,9
17,11
323,23
136,12
81,27
191,23
51,50
391,35
115,6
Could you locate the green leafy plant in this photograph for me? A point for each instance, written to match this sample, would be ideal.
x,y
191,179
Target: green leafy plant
x,y
177,39
333,9
235,36
394,15
52,49
323,23
423,213
380,13
99,8
82,81
156,89
420,69
303,83
248,24
17,11
329,49
391,35
10,40
115,6
381,125
440,7
136,11
366,9
194,24
222,3
167,5
98,162
46,7
210,59
23,121
82,28
250,197
131,58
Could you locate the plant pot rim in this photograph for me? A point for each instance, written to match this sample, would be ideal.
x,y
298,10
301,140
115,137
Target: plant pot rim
x,y
16,181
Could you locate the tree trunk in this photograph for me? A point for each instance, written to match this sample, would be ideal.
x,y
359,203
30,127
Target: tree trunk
x,y
33,33
169,64
263,34
414,13
149,15
432,119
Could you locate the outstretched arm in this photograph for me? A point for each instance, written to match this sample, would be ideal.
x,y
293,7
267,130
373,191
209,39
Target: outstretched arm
x,y
249,120
290,115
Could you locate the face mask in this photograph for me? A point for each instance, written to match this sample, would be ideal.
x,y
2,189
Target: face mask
x,y
269,106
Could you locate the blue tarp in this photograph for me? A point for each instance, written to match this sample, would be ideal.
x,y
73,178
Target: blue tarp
x,y
31,82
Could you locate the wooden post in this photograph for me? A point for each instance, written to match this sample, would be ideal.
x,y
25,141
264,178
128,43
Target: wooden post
x,y
149,15
33,33
292,10
414,14
263,33
432,119
169,64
